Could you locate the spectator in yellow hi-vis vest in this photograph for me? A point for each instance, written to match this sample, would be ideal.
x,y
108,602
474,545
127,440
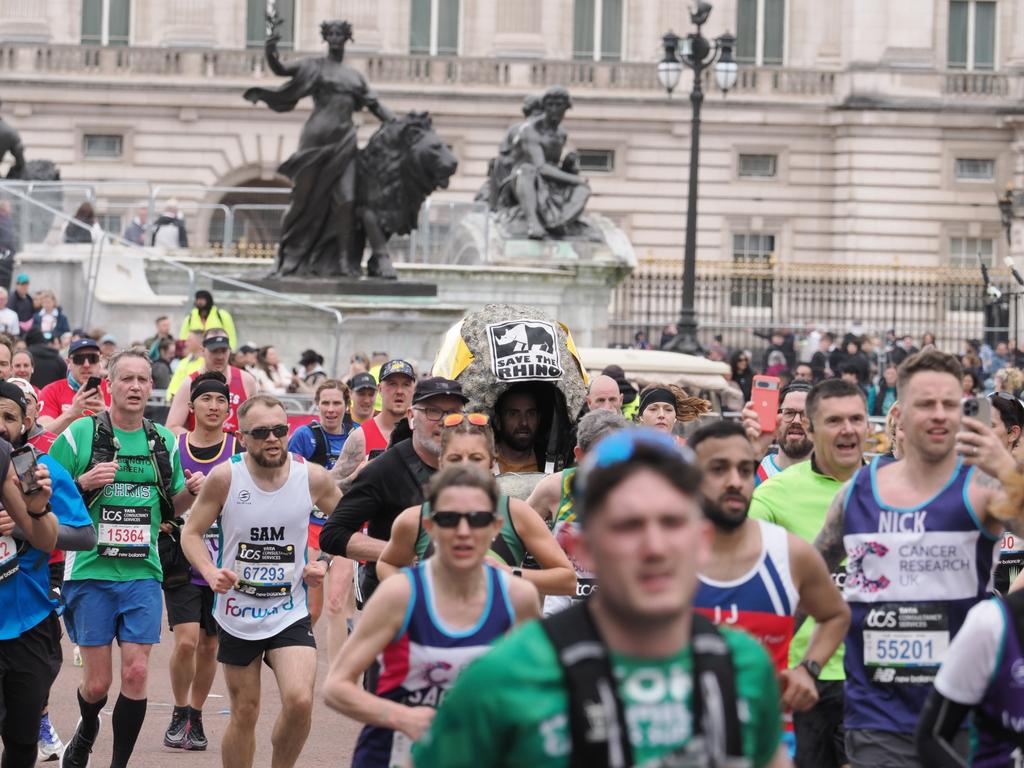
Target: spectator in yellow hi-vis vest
x,y
205,314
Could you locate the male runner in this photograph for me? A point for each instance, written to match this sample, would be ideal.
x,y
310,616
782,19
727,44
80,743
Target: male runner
x,y
321,442
920,536
758,573
129,472
515,430
644,536
604,394
364,394
790,434
216,357
63,401
555,502
193,663
798,500
263,498
397,382
29,599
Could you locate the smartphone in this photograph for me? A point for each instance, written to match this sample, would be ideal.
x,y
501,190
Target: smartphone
x,y
979,408
93,383
375,453
764,397
24,461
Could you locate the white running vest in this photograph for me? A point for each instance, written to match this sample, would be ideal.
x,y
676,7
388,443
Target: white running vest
x,y
263,540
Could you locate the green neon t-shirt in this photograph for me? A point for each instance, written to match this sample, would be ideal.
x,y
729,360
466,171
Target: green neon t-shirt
x,y
798,499
126,514
509,708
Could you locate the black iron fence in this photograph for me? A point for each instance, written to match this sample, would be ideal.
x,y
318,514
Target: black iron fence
x,y
735,300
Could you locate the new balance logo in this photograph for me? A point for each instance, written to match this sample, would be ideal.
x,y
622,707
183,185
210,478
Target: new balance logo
x,y
884,675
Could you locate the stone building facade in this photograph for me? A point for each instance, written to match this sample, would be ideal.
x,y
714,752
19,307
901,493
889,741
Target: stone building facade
x,y
864,132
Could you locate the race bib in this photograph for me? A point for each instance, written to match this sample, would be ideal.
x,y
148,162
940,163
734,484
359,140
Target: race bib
x,y
905,643
124,532
8,558
401,751
265,570
318,514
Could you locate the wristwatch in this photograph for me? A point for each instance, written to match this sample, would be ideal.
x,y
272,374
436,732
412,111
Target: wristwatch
x,y
42,514
813,668
517,572
325,558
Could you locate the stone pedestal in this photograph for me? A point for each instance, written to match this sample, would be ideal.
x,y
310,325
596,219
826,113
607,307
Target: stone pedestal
x,y
336,286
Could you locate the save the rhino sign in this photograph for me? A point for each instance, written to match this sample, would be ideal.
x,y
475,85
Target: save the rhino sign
x,y
524,350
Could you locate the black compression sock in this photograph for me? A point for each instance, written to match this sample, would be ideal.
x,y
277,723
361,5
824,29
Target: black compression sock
x,y
129,715
90,716
195,714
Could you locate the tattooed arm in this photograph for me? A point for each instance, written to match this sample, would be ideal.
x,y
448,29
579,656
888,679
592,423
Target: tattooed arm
x,y
351,460
829,542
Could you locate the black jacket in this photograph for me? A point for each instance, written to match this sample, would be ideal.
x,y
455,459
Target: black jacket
x,y
387,485
48,365
23,305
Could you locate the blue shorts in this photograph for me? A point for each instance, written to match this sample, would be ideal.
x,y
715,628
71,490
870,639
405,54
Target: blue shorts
x,y
96,612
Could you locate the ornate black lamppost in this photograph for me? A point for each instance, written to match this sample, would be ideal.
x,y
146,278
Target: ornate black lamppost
x,y
695,52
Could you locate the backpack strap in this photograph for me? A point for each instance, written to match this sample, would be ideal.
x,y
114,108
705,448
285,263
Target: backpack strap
x,y
597,717
597,721
103,450
321,451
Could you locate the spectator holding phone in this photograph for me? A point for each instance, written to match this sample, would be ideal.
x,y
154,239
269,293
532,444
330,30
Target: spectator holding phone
x,y
81,393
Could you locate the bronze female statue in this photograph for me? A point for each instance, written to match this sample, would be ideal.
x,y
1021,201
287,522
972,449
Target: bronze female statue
x,y
320,232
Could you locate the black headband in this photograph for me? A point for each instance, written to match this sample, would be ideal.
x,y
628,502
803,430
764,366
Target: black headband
x,y
657,395
207,386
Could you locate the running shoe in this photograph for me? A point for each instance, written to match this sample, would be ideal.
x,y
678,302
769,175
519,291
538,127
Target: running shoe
x,y
77,752
175,735
195,737
50,744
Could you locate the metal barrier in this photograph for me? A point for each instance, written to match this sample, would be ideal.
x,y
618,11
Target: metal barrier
x,y
98,238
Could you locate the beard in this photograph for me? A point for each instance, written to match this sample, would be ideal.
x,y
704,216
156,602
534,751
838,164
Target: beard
x,y
267,462
722,520
519,442
796,448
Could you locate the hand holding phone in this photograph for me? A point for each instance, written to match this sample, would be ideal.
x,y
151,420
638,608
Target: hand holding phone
x,y
764,400
24,462
979,408
93,383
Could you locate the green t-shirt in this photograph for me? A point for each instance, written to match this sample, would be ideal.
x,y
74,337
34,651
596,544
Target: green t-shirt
x,y
798,499
509,708
126,514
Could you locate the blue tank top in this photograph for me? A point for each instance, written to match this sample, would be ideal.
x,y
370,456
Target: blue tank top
x,y
425,658
911,577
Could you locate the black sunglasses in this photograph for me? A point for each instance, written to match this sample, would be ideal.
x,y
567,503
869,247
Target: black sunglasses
x,y
452,519
262,433
83,359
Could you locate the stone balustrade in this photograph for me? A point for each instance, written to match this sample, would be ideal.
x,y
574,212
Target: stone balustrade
x,y
20,60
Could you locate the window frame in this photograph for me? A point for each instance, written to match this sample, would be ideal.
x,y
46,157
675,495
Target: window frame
x,y
86,155
435,21
596,36
104,41
759,28
963,179
970,64
757,176
607,151
764,288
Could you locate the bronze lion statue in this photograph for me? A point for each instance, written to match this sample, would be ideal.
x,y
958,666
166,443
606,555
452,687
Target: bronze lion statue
x,y
401,164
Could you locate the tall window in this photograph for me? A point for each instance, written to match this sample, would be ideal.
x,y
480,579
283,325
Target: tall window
x,y
434,27
597,30
256,23
760,32
972,34
752,284
106,22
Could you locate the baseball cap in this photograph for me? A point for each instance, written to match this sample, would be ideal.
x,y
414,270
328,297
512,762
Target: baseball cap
x,y
22,278
9,391
436,385
80,344
217,342
248,347
393,367
363,381
25,386
108,339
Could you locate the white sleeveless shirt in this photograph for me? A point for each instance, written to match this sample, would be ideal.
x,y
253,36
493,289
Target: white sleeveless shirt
x,y
263,540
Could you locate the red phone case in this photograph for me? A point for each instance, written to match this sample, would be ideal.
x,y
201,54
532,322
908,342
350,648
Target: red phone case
x,y
765,401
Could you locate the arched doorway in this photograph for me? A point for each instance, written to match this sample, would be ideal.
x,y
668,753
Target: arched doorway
x,y
251,222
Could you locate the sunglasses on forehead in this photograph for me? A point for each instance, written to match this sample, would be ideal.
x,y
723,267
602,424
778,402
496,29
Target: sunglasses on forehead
x,y
473,519
476,419
262,433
